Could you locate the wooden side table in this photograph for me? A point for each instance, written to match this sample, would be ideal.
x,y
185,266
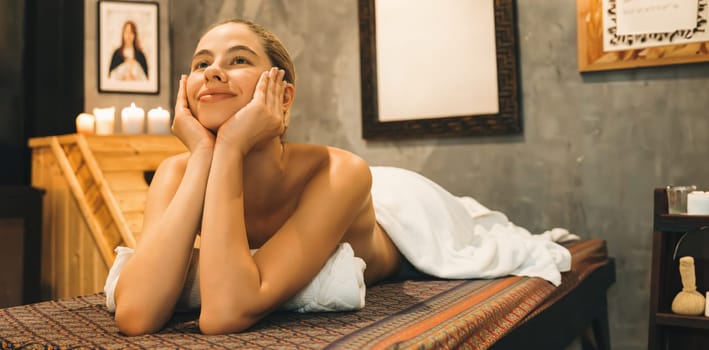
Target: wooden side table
x,y
668,330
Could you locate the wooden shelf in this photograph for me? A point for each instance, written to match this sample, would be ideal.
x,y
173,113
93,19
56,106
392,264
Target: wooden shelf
x,y
699,322
667,330
680,222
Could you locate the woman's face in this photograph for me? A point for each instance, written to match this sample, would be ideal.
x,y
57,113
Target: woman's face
x,y
128,34
225,69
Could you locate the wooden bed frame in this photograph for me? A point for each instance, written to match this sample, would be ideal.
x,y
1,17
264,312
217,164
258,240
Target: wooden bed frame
x,y
583,313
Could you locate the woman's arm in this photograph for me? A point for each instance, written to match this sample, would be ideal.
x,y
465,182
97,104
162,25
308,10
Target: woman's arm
x,y
238,289
152,280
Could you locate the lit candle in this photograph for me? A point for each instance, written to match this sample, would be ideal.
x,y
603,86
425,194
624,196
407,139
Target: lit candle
x,y
132,119
104,120
698,203
158,121
85,124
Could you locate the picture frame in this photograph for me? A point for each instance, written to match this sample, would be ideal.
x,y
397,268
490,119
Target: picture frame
x,y
590,41
122,68
505,119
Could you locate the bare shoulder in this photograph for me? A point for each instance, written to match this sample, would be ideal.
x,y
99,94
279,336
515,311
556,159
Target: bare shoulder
x,y
332,169
348,172
347,164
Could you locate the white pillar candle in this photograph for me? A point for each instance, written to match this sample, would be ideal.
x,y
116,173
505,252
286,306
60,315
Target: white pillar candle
x,y
158,121
104,120
698,203
132,120
85,124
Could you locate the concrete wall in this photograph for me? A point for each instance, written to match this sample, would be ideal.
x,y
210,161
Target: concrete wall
x,y
594,145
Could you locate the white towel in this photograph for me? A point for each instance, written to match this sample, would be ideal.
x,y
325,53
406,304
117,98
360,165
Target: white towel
x,y
456,237
339,286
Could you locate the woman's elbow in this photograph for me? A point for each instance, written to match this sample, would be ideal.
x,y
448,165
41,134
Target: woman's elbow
x,y
134,322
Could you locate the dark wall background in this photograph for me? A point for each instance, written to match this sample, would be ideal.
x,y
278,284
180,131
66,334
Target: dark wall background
x,y
12,109
41,77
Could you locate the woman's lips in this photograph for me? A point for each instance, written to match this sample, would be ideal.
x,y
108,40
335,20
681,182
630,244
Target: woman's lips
x,y
215,96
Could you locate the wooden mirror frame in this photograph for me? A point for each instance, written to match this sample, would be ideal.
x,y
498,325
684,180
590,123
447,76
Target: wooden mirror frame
x,y
506,121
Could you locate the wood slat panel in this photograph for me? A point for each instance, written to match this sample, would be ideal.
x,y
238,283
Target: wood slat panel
x,y
83,174
135,144
74,156
80,198
106,193
103,217
100,271
39,142
135,220
121,162
63,247
49,245
95,199
93,268
112,236
131,201
72,251
125,180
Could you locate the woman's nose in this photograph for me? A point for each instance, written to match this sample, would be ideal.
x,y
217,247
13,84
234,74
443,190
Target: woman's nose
x,y
214,72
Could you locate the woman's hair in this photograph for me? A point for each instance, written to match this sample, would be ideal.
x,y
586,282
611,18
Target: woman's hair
x,y
273,46
134,28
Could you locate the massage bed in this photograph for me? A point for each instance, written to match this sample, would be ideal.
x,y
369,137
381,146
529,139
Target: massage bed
x,y
503,313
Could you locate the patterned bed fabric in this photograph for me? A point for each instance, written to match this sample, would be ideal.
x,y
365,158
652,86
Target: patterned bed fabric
x,y
424,314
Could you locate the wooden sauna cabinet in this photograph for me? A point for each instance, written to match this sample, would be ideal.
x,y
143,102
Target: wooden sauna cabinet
x,y
94,201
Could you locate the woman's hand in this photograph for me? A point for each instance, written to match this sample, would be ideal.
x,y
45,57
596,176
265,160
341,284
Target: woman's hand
x,y
185,126
262,119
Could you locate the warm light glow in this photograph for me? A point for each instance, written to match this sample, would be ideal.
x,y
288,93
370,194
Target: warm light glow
x,y
85,124
132,120
104,120
158,121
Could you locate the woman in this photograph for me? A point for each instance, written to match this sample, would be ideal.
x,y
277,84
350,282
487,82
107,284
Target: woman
x,y
241,188
246,189
128,62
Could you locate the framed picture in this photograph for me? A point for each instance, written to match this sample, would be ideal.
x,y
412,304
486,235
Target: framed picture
x,y
128,47
621,34
441,68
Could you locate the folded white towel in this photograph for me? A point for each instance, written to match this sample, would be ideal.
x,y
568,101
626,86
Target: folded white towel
x,y
339,286
456,237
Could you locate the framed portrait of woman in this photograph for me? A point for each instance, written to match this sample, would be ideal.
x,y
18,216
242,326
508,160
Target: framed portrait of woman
x,y
128,48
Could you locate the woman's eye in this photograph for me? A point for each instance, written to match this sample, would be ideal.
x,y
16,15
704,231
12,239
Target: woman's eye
x,y
240,60
200,65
